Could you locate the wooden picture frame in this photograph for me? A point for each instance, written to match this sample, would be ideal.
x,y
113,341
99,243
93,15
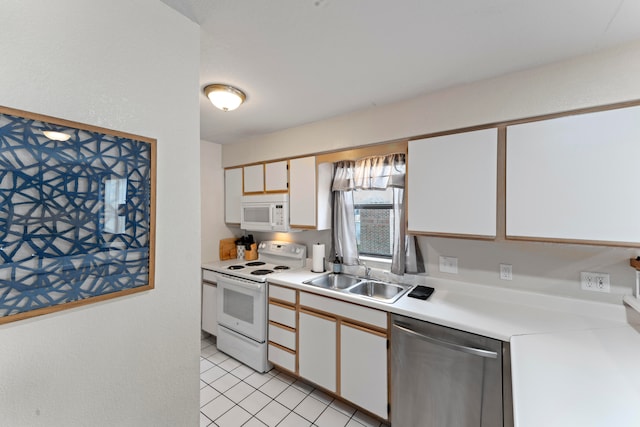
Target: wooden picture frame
x,y
77,214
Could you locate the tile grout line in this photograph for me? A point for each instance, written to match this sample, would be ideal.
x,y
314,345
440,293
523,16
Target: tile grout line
x,y
289,382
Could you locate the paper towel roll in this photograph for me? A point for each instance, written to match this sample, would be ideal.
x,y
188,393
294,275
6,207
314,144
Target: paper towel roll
x,y
318,258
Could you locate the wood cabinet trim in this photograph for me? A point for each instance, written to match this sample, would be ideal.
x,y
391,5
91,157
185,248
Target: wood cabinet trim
x,y
574,241
501,199
343,319
281,326
288,350
398,146
363,328
451,235
322,315
338,357
283,304
379,147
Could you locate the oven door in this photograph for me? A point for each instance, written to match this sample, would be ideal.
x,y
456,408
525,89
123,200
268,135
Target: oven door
x,y
242,306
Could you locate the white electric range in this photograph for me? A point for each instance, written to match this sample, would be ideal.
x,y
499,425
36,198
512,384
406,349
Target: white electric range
x,y
242,300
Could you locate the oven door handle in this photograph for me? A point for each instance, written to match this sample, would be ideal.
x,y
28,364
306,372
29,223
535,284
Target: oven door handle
x,y
236,281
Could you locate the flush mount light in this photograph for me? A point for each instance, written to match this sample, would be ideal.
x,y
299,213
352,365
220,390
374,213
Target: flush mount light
x,y
55,135
224,97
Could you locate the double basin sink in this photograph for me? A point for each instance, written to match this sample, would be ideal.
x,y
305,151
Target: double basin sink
x,y
374,289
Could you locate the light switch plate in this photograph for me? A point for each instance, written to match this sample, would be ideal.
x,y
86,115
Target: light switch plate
x,y
449,264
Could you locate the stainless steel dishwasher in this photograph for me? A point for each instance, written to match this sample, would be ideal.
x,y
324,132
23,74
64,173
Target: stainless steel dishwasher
x,y
443,377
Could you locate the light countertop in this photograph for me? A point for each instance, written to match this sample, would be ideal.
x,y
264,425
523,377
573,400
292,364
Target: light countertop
x,y
578,378
484,310
574,363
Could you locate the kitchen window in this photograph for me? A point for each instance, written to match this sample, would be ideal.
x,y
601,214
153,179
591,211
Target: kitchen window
x,y
368,211
374,219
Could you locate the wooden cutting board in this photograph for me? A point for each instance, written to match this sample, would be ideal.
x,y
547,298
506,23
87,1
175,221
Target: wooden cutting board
x,y
228,249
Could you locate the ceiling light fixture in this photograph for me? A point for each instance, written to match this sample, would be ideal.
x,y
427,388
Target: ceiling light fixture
x,y
55,135
224,97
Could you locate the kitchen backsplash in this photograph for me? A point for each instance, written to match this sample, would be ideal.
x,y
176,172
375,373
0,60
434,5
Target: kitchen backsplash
x,y
549,268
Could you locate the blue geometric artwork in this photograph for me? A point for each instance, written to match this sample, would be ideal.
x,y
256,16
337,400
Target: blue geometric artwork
x,y
76,215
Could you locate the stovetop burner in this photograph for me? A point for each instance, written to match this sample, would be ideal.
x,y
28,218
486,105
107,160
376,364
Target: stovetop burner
x,y
261,272
275,257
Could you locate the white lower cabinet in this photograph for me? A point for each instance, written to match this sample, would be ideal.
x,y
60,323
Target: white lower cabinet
x,y
363,368
342,347
282,327
281,357
337,345
209,308
317,349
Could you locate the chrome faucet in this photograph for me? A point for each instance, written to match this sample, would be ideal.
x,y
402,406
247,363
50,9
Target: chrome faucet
x,y
367,270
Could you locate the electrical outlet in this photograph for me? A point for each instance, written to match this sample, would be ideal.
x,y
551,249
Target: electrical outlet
x,y
597,282
449,264
506,272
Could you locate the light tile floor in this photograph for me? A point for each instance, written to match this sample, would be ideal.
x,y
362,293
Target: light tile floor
x,y
232,394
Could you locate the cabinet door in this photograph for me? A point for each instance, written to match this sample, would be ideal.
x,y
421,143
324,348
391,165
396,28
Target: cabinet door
x,y
232,195
317,357
310,193
302,192
452,184
363,368
253,179
209,308
276,176
572,178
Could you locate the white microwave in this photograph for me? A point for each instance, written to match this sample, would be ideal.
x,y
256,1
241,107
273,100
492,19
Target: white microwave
x,y
265,212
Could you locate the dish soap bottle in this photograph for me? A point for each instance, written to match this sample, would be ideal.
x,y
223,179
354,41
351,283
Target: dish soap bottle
x,y
337,266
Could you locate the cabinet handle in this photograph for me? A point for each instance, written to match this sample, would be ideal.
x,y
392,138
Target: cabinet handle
x,y
457,347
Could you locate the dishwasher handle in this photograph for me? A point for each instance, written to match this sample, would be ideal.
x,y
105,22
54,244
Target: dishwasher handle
x,y
470,350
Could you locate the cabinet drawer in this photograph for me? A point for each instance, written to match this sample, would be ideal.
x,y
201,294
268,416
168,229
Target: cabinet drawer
x,y
282,358
347,310
283,315
209,276
283,294
284,337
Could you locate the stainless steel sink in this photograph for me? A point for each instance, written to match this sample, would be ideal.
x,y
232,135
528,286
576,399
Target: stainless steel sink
x,y
334,281
382,291
358,286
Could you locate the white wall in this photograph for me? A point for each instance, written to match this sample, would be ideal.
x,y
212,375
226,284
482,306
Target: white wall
x,y
212,201
602,78
131,361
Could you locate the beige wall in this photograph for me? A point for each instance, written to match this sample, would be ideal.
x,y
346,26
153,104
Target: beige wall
x,y
129,361
602,78
212,201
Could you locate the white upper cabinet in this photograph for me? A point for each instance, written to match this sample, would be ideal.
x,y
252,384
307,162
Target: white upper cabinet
x,y
309,194
232,195
452,184
276,176
270,177
574,177
253,179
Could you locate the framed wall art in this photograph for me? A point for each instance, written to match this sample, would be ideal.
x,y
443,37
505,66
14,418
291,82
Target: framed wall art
x,y
77,214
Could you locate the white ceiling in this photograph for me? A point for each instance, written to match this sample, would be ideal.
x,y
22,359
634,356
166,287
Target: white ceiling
x,y
301,61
